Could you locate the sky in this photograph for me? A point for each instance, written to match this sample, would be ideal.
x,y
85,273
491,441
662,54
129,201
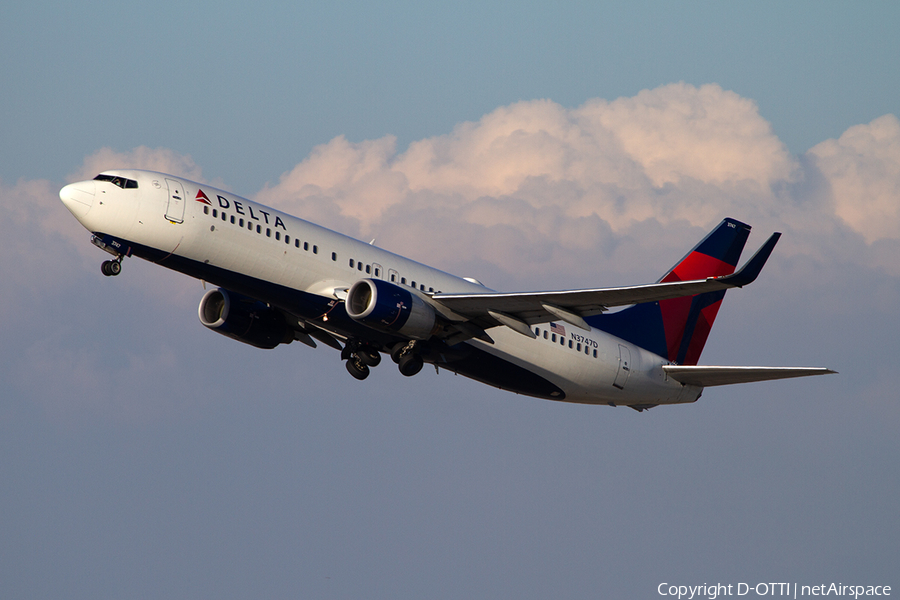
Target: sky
x,y
529,146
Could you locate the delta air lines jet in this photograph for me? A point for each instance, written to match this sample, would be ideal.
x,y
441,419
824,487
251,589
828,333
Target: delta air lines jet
x,y
282,279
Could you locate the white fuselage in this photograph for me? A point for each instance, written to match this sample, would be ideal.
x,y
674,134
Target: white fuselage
x,y
233,235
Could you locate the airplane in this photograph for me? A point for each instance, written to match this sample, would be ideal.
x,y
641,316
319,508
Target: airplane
x,y
281,279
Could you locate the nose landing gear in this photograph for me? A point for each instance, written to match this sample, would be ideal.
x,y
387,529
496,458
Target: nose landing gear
x,y
118,249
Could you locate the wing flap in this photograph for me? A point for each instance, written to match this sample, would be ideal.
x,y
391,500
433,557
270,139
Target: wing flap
x,y
707,376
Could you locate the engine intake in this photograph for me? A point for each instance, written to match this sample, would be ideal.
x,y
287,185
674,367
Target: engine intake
x,y
391,308
244,319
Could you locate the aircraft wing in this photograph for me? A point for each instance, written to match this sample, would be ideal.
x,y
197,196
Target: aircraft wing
x,y
518,310
709,376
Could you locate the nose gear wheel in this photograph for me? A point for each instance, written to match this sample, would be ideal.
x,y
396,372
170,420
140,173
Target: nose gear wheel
x,y
111,268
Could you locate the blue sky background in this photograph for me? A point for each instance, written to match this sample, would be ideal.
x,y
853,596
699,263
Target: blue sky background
x,y
143,456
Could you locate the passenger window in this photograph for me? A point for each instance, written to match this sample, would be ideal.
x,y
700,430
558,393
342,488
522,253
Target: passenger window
x,y
287,239
232,219
205,210
545,334
368,269
578,347
315,249
553,337
359,266
351,263
240,222
403,280
215,214
258,229
278,235
268,232
334,256
595,354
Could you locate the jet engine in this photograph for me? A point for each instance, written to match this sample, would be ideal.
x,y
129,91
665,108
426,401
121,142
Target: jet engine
x,y
244,319
387,307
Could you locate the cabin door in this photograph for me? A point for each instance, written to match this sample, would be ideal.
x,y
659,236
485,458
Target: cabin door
x,y
175,207
624,367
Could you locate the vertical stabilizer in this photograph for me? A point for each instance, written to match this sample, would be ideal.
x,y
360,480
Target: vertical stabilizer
x,y
678,328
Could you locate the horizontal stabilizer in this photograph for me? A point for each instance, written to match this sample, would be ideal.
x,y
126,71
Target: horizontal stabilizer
x,y
709,376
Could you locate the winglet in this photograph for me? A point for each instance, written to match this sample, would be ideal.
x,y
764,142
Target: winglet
x,y
750,271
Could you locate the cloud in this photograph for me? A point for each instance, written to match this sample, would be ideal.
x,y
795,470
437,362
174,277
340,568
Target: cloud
x,y
863,169
602,150
535,187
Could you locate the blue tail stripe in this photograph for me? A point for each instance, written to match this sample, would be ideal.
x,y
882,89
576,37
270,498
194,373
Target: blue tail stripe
x,y
643,324
697,305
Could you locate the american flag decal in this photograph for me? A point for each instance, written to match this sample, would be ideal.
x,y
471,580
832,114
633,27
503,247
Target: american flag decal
x,y
557,329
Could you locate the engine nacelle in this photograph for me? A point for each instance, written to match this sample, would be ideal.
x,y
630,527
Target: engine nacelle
x,y
244,319
392,308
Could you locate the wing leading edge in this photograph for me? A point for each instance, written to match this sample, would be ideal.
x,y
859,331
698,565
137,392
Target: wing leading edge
x,y
573,305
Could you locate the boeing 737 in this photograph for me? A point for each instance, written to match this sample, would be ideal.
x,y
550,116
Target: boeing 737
x,y
281,279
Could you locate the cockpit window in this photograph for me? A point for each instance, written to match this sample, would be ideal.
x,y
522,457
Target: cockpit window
x,y
119,181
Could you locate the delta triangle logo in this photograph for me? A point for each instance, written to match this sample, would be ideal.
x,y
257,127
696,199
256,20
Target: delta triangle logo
x,y
201,197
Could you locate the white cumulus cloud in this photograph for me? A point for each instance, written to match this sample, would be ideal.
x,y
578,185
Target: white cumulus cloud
x,y
535,186
863,169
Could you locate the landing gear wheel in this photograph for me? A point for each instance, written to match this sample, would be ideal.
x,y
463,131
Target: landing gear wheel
x,y
410,364
111,268
357,368
371,358
400,349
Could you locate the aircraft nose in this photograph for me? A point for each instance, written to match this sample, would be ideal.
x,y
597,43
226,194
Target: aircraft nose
x,y
78,197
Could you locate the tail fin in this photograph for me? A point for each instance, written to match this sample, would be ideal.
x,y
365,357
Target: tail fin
x,y
677,329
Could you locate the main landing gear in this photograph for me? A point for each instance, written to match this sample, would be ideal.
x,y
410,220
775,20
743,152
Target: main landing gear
x,y
407,357
360,357
111,268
